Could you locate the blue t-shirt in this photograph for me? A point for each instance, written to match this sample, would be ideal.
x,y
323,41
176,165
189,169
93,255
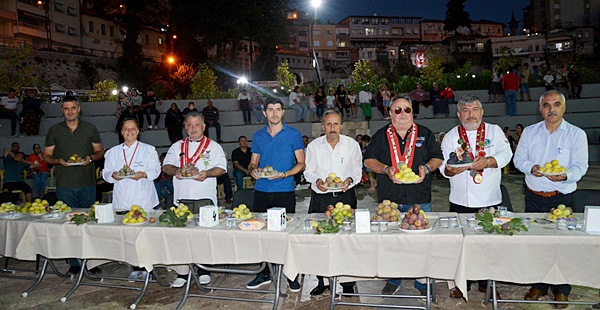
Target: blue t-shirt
x,y
277,152
14,170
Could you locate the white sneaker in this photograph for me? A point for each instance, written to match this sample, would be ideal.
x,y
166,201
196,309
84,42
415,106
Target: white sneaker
x,y
150,127
204,279
179,282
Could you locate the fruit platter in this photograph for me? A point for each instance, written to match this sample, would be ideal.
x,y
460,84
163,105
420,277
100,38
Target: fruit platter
x,y
561,211
415,221
135,216
176,216
189,171
242,212
339,213
333,183
266,172
387,211
552,167
405,174
75,160
492,222
125,172
459,159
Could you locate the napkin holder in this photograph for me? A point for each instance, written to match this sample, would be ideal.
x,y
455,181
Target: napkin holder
x,y
276,220
592,219
209,216
362,221
104,213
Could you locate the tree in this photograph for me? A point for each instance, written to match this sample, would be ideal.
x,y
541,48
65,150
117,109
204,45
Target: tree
x,y
103,91
286,79
203,84
456,16
182,79
434,71
13,71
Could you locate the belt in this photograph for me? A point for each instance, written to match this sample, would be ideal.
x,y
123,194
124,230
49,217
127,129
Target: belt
x,y
544,194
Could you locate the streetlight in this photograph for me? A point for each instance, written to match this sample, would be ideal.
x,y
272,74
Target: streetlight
x,y
315,4
125,89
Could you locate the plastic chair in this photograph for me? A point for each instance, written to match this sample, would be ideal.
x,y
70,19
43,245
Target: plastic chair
x,y
585,197
245,196
13,192
51,185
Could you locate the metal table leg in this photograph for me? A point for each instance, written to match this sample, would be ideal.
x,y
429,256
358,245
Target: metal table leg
x,y
495,301
39,278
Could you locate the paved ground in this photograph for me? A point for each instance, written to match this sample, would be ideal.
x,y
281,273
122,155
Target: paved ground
x,y
48,294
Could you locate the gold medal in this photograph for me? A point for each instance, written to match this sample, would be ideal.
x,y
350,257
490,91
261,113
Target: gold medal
x,y
478,178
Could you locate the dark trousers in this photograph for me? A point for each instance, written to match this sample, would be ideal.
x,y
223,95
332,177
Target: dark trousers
x,y
319,202
576,90
320,110
265,200
175,133
535,203
226,181
13,120
246,112
217,126
147,111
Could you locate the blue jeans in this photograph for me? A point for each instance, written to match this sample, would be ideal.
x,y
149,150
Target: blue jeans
x,y
418,285
239,176
300,111
77,197
258,112
40,179
164,188
426,207
511,102
320,110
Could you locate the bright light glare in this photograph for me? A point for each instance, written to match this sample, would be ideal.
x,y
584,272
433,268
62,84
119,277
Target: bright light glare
x,y
243,80
125,89
171,60
315,3
115,92
473,76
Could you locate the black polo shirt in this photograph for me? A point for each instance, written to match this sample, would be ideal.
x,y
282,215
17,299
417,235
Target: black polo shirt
x,y
242,158
426,148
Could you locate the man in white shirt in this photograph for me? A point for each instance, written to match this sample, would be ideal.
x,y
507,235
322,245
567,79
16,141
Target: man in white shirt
x,y
477,185
364,100
142,158
332,153
209,158
243,102
8,109
553,138
295,102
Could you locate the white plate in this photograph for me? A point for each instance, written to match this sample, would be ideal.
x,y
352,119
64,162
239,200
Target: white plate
x,y
411,182
15,216
48,216
41,214
126,176
190,178
459,165
266,176
553,174
417,231
75,164
135,224
333,189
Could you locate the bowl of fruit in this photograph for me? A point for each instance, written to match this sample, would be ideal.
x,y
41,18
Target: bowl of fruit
x,y
552,168
75,160
387,211
189,171
333,183
126,172
405,174
135,216
415,221
266,172
339,213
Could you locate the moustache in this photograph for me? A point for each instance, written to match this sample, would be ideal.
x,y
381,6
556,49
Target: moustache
x,y
552,113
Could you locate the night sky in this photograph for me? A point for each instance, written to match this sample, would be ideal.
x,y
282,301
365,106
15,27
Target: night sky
x,y
494,10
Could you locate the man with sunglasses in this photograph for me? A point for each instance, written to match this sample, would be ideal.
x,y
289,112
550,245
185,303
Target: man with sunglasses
x,y
403,141
476,185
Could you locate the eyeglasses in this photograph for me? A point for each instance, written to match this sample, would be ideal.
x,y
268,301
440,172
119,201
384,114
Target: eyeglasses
x,y
407,110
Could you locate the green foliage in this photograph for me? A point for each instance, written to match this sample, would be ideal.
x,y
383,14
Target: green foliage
x,y
509,228
12,73
182,79
286,79
169,218
203,84
103,91
507,60
456,16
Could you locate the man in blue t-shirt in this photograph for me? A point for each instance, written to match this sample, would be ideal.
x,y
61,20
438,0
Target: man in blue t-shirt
x,y
279,146
13,176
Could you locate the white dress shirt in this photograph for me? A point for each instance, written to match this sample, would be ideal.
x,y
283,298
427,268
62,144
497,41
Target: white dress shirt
x,y
294,96
537,146
463,190
345,160
127,192
364,97
192,189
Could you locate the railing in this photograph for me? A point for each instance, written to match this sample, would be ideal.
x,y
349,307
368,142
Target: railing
x,y
57,47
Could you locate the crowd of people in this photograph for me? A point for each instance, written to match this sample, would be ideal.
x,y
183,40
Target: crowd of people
x,y
281,146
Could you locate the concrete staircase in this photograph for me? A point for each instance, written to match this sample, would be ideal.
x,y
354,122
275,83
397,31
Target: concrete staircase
x,y
584,113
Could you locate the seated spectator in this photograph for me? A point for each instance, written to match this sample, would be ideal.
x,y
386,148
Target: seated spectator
x,y
419,97
226,181
14,165
174,123
257,102
241,159
440,105
190,108
549,80
8,109
574,80
32,113
211,119
41,172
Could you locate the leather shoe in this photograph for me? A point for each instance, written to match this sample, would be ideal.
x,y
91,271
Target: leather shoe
x,y
456,293
484,291
319,290
534,294
561,297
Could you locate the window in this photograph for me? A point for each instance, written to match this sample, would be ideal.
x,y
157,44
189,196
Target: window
x,y
408,30
557,17
393,52
111,31
303,44
328,32
72,31
416,30
103,29
375,21
60,28
329,43
147,39
557,5
316,32
160,41
91,27
316,43
302,33
59,7
370,31
480,45
342,44
71,11
369,55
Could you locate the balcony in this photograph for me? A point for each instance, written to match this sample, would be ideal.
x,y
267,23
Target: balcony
x,y
7,16
29,30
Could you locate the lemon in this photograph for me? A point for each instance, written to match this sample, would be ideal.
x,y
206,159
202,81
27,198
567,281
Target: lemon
x,y
554,162
140,219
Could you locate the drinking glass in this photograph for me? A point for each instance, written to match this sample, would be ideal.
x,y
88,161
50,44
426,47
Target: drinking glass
x,y
307,224
230,222
444,223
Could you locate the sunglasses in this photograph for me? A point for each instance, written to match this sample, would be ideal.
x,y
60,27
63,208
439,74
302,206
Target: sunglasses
x,y
407,110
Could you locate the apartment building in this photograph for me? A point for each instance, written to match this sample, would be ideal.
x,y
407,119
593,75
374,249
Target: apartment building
x,y
543,15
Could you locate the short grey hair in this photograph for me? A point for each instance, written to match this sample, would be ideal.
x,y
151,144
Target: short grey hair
x,y
563,100
193,114
405,97
334,112
469,100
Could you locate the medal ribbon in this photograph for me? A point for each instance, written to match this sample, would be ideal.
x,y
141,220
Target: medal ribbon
x,y
479,141
406,156
132,156
185,145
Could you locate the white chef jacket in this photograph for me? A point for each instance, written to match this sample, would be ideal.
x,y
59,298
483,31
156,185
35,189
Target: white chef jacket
x,y
192,189
568,144
465,192
345,160
128,192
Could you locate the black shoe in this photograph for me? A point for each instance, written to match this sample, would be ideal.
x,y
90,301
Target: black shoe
x,y
348,289
423,291
320,289
95,271
74,270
